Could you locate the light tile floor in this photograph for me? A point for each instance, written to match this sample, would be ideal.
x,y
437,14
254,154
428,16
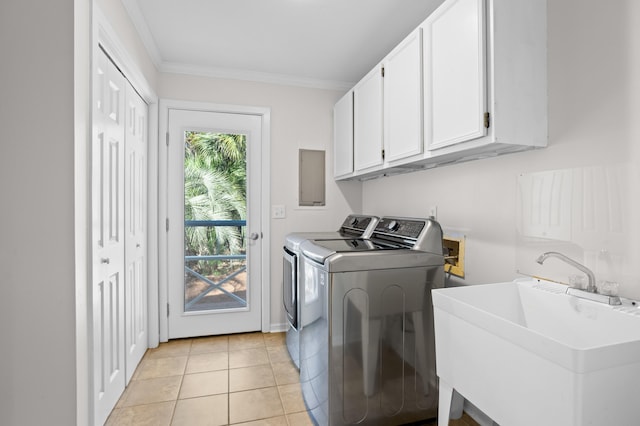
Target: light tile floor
x,y
240,379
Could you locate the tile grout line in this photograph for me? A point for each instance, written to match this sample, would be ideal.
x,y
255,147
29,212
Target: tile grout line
x,y
175,403
184,371
284,412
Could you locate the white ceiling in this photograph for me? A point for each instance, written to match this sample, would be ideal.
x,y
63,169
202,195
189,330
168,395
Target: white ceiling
x,y
315,43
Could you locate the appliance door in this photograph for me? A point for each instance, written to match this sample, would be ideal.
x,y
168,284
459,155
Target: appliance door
x,y
290,286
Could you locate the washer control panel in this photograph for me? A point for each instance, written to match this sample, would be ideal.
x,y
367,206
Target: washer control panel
x,y
399,227
359,225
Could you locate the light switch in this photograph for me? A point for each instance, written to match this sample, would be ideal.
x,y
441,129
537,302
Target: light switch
x,y
278,211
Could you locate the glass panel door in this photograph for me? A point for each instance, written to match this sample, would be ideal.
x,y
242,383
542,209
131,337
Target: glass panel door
x,y
214,242
215,213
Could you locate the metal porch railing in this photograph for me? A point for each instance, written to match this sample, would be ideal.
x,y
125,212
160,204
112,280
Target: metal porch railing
x,y
212,285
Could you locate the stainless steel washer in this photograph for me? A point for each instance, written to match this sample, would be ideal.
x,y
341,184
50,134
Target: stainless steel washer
x,y
353,226
367,348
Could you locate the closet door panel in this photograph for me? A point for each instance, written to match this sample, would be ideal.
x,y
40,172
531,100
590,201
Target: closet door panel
x,y
135,178
108,236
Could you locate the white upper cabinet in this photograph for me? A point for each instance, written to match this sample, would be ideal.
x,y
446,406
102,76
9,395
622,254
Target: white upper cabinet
x,y
343,136
470,82
403,99
367,122
455,73
485,79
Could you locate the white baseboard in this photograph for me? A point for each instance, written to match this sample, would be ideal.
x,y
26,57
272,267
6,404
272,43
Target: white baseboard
x,y
278,328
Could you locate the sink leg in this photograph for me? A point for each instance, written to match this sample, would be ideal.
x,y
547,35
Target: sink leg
x,y
449,404
457,403
444,403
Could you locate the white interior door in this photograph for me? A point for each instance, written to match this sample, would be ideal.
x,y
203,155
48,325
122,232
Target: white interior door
x,y
108,236
214,243
136,330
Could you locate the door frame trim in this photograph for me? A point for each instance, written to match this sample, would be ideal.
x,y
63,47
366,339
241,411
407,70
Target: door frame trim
x,y
265,186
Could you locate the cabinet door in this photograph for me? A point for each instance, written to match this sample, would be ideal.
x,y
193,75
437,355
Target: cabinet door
x,y
455,73
367,122
343,136
403,99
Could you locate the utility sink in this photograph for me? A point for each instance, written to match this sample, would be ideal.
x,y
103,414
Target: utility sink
x,y
526,353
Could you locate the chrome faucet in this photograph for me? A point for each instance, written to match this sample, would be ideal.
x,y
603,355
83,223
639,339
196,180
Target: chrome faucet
x,y
591,286
591,292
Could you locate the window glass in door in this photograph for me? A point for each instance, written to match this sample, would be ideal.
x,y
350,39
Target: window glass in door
x,y
215,218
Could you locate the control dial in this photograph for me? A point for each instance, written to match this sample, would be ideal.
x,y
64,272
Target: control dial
x,y
393,225
354,221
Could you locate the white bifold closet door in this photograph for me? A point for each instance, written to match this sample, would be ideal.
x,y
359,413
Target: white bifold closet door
x,y
135,221
119,288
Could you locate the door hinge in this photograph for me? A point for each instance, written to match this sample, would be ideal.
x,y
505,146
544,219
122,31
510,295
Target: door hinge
x,y
166,224
383,154
487,120
167,138
382,71
167,310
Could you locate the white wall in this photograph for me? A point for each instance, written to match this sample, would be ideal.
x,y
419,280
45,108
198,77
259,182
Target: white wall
x,y
300,118
594,92
37,284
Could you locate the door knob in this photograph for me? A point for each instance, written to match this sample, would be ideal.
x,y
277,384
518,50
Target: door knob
x,y
104,260
254,236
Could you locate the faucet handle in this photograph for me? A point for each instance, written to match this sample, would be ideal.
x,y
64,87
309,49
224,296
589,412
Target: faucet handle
x,y
610,288
577,281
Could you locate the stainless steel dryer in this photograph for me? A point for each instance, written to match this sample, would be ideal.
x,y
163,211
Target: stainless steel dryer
x,y
354,226
367,351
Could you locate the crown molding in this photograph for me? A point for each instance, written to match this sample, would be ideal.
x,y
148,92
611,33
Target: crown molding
x,y
261,77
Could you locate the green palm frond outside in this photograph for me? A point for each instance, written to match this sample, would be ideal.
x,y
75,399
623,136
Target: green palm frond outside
x,y
215,189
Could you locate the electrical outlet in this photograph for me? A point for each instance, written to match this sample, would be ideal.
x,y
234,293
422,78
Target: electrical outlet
x,y
278,211
454,255
433,212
